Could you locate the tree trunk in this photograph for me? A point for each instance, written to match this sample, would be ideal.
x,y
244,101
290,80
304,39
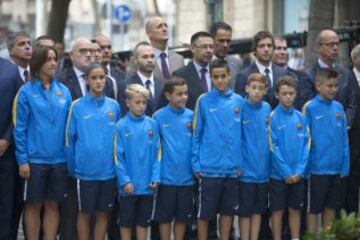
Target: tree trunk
x,y
321,16
57,19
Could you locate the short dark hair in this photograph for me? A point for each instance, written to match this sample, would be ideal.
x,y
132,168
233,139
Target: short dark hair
x,y
286,80
174,81
219,25
143,43
38,40
324,74
219,63
38,59
260,36
11,38
198,35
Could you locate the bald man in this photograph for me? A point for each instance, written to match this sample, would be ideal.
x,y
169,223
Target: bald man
x,y
167,61
327,47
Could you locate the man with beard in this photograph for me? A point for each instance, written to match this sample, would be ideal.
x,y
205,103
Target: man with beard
x,y
222,32
263,48
144,56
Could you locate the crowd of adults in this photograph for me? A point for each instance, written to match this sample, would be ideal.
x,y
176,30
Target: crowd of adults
x,y
151,65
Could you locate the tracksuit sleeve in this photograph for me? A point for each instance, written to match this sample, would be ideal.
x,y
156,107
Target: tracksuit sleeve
x,y
70,139
278,163
346,161
197,136
155,174
21,115
121,170
303,161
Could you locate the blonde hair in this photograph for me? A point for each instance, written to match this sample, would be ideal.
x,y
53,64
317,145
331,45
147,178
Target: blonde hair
x,y
133,89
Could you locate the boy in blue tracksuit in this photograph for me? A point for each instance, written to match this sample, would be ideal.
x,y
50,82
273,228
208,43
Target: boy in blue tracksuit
x,y
89,143
253,185
329,155
216,151
175,196
289,146
137,164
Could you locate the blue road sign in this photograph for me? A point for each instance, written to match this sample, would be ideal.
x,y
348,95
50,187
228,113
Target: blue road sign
x,y
123,13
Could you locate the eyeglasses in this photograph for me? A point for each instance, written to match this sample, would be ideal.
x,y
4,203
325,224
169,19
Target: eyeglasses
x,y
204,47
331,44
84,51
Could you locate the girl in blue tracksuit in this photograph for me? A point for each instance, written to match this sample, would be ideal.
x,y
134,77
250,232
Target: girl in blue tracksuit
x,y
89,143
175,195
137,164
39,115
289,145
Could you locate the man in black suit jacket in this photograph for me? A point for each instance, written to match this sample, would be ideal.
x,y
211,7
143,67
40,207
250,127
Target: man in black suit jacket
x,y
144,57
327,46
9,81
263,47
196,73
352,196
74,77
280,58
111,71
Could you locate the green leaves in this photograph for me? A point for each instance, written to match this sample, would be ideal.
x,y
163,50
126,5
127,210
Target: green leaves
x,y
345,228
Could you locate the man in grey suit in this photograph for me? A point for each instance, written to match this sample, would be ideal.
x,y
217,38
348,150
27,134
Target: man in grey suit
x,y
263,48
144,58
221,32
166,61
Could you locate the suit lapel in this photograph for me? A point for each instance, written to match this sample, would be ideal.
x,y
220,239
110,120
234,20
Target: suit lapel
x,y
75,83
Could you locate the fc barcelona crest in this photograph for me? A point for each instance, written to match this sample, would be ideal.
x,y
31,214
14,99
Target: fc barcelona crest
x,y
111,115
337,116
299,125
150,133
189,125
236,110
59,93
267,121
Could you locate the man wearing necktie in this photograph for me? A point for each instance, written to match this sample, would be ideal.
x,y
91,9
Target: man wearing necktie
x,y
144,58
263,48
20,50
327,46
196,72
167,61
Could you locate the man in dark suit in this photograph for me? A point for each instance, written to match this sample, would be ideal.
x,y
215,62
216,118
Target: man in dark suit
x,y
196,73
263,48
144,57
116,75
352,196
20,51
74,77
280,58
167,61
221,32
327,46
9,80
